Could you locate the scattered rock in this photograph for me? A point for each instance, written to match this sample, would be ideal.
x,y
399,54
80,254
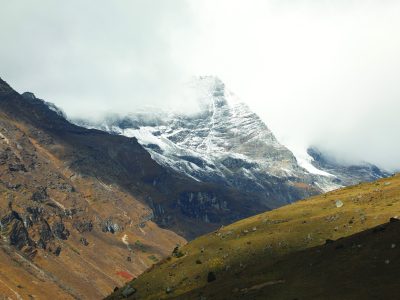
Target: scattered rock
x,y
45,232
84,241
83,226
168,290
211,277
17,167
339,203
128,291
40,195
35,213
60,231
12,186
109,226
177,252
57,251
332,218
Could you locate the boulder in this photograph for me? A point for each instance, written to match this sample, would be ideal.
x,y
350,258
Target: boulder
x,y
211,277
60,231
128,291
40,195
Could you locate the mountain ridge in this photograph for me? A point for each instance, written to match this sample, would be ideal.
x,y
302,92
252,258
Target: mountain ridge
x,y
228,144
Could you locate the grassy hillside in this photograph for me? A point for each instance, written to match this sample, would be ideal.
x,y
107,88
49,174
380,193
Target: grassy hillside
x,y
307,250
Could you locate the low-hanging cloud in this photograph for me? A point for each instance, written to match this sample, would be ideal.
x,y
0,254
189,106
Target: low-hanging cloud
x,y
324,73
91,57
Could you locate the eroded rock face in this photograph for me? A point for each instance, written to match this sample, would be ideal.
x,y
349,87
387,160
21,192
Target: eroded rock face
x,y
60,231
202,205
40,195
12,227
83,226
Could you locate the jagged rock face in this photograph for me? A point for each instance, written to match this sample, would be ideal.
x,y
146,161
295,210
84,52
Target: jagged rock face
x,y
227,144
202,205
345,174
224,143
13,229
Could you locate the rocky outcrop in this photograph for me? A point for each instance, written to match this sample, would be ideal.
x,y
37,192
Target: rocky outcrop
x,y
60,231
14,231
40,195
205,206
110,226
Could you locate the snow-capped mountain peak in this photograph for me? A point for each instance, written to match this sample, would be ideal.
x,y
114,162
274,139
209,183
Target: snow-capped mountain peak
x,y
224,143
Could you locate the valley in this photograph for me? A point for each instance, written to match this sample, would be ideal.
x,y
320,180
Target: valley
x,y
85,210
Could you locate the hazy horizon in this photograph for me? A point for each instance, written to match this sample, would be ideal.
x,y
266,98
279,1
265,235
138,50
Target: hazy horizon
x,y
318,73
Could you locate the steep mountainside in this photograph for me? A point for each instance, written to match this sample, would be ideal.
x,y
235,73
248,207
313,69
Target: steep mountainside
x,y
178,202
338,245
68,221
228,144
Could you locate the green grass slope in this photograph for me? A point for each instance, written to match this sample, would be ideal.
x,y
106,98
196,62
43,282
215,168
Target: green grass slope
x,y
325,247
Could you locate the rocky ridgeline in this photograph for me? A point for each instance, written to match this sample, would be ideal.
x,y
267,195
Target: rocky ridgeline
x,y
227,144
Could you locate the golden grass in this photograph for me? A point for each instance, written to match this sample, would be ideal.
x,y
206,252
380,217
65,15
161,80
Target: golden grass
x,y
264,239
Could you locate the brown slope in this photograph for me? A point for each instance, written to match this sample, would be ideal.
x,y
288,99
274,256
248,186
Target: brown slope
x,y
272,255
65,232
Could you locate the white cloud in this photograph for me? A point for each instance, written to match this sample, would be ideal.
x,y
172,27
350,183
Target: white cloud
x,y
318,72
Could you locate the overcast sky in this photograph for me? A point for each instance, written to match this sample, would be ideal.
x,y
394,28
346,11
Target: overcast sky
x,y
318,72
